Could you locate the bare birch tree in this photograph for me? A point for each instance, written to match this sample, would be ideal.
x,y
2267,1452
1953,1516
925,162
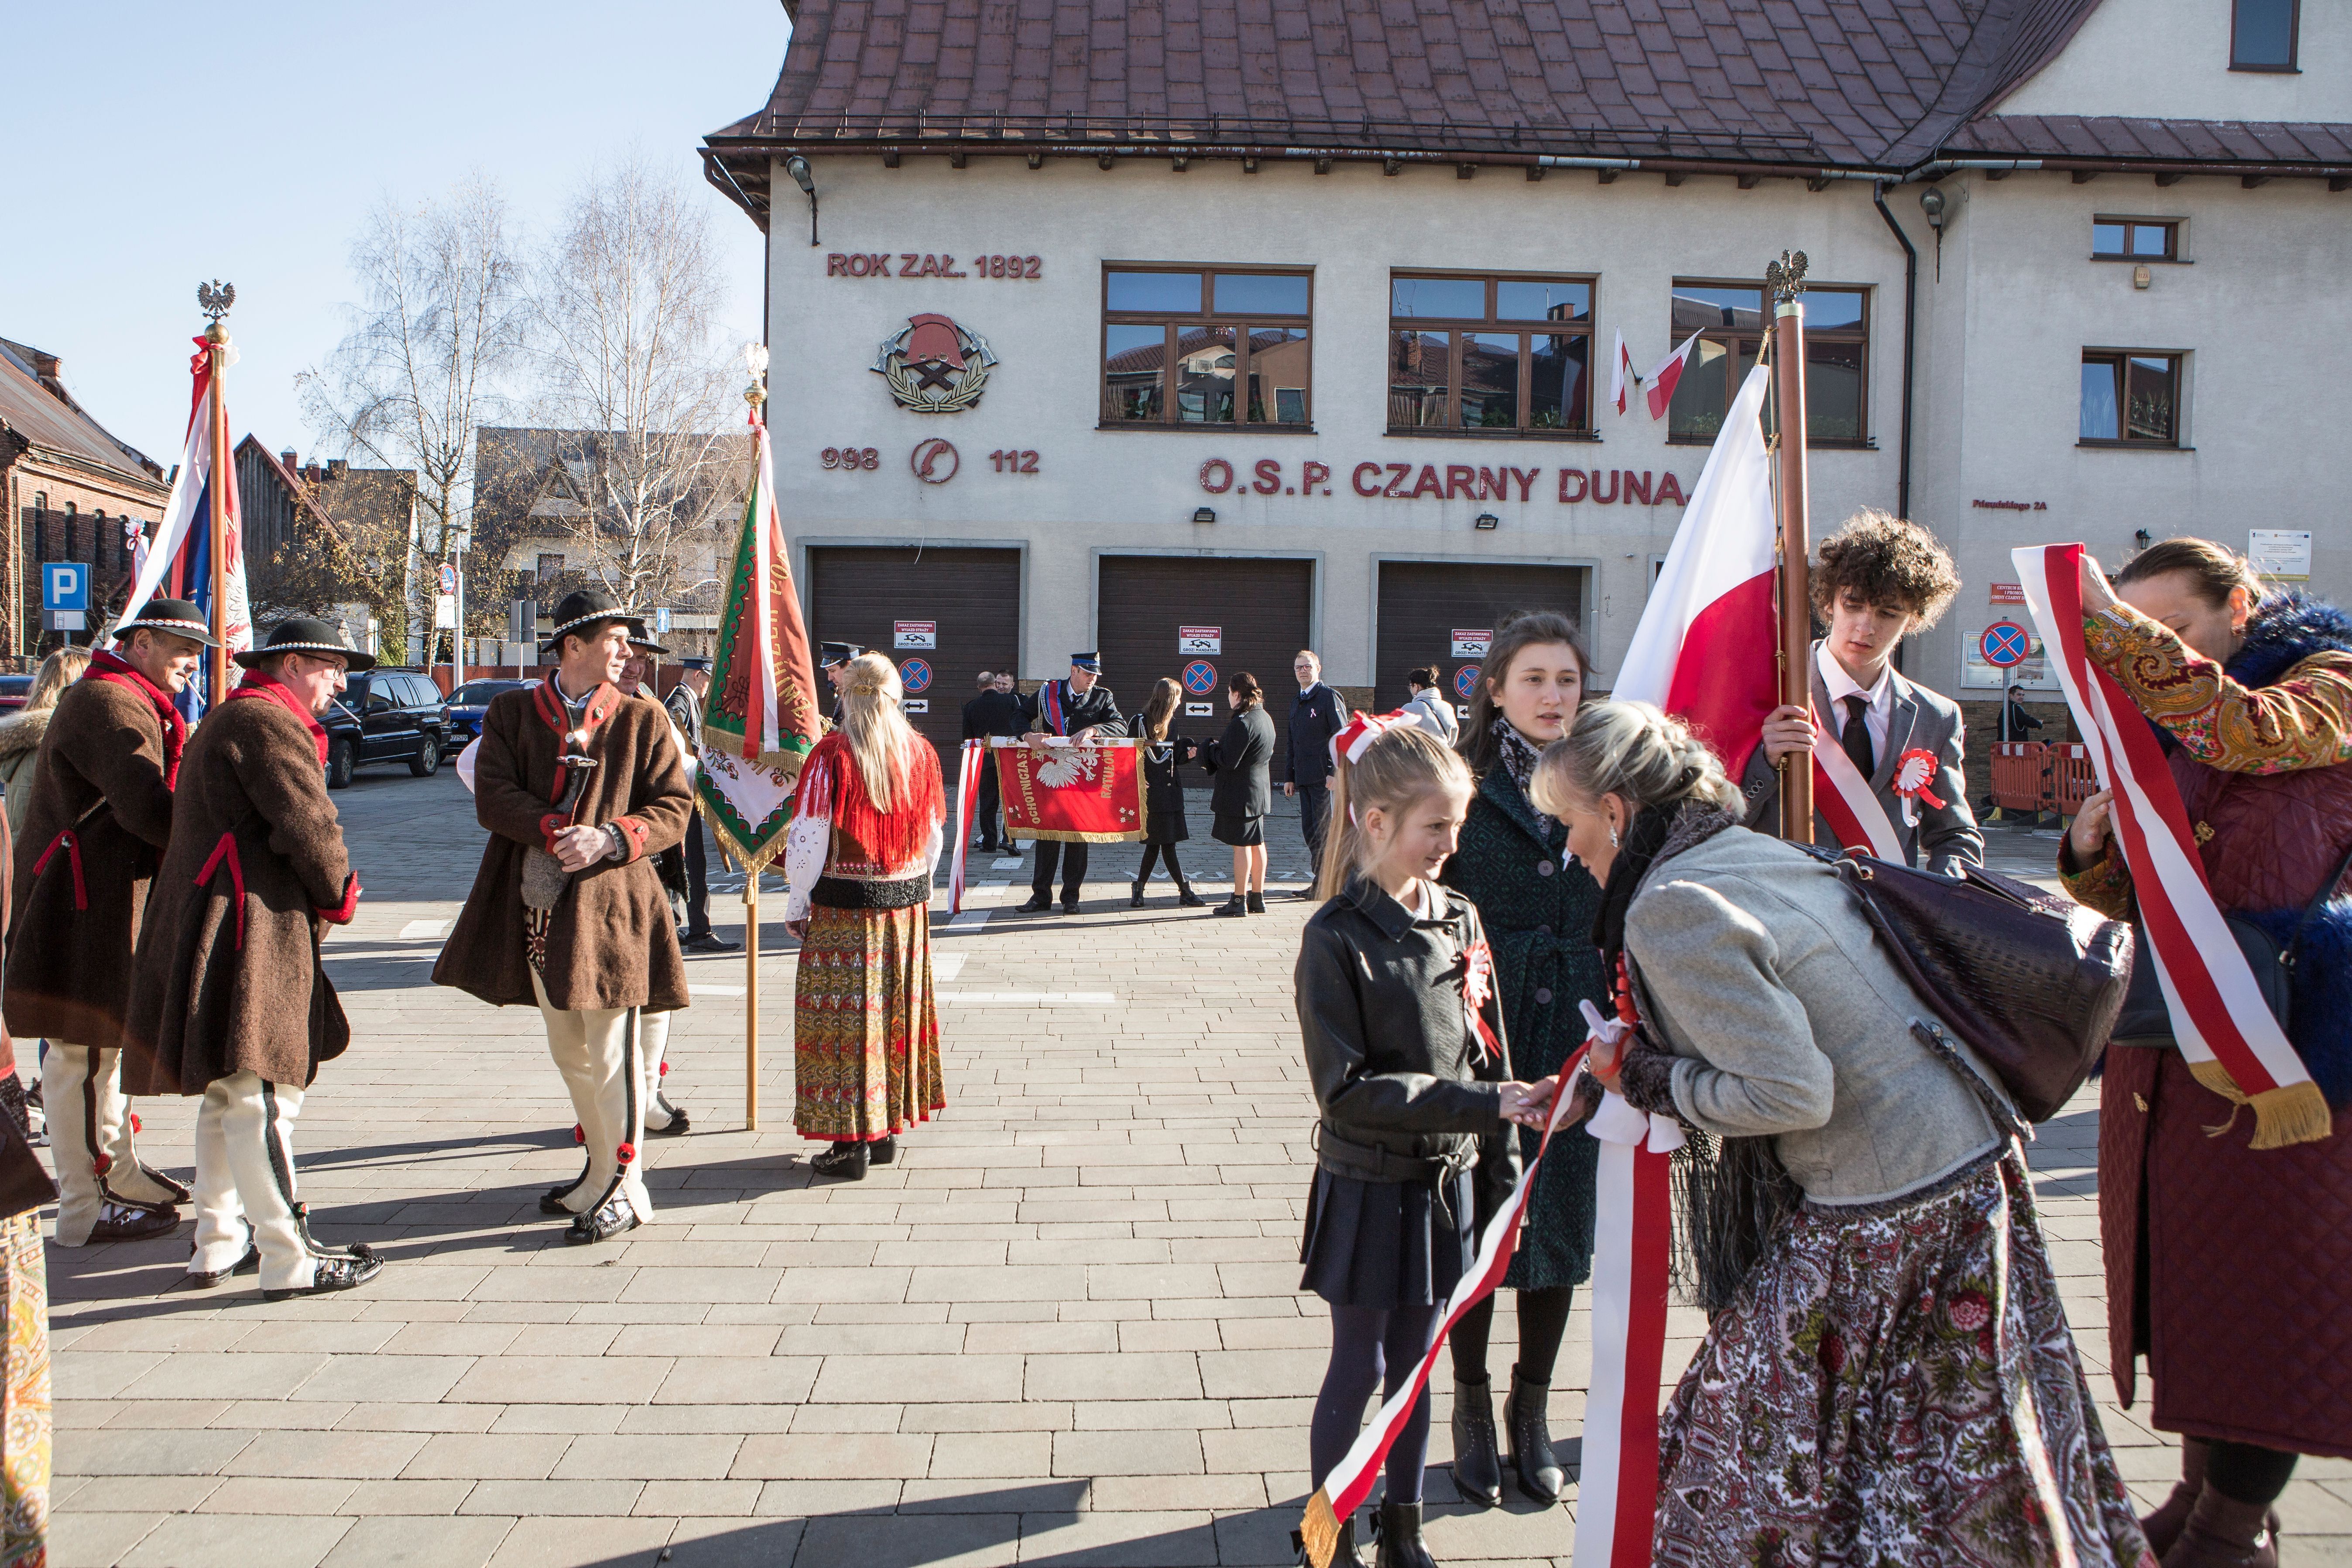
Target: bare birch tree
x,y
625,338
440,326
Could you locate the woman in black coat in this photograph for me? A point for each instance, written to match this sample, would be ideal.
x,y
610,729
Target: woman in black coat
x,y
1164,826
1242,760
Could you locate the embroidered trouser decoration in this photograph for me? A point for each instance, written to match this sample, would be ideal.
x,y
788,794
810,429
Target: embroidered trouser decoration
x,y
90,1134
596,1050
653,1038
244,1182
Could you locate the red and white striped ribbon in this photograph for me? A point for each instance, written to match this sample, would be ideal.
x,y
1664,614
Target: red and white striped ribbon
x,y
1843,796
2218,1016
975,757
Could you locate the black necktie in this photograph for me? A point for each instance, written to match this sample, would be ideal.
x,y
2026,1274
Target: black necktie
x,y
1857,735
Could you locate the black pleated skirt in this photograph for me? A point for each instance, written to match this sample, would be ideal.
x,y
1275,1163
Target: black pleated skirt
x,y
1241,832
1385,1244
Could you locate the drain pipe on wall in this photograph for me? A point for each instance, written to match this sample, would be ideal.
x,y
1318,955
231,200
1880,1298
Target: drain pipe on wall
x,y
1910,322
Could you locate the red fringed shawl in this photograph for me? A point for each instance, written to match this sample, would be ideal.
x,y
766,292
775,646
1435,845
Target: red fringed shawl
x,y
871,841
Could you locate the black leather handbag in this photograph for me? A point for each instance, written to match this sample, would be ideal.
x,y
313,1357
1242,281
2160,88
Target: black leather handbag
x,y
2034,982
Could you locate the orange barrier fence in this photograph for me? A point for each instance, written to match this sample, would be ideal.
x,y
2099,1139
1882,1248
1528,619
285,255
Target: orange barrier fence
x,y
2018,769
2072,781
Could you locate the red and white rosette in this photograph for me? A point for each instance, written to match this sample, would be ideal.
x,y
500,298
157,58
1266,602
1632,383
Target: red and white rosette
x,y
1915,770
1361,731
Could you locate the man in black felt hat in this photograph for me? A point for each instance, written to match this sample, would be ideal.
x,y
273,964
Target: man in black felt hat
x,y
100,817
580,785
833,658
1082,707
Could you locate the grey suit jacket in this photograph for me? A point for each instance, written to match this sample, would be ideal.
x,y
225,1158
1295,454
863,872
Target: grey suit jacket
x,y
1946,837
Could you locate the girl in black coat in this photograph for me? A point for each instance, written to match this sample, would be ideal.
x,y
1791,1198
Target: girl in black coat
x,y
1163,812
1242,760
1408,1093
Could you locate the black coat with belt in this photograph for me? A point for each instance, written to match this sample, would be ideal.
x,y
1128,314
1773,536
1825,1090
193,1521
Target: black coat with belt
x,y
1242,760
1098,710
1163,808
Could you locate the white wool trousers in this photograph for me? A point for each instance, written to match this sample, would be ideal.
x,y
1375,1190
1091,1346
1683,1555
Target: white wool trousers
x,y
244,1182
91,1136
653,1048
598,1053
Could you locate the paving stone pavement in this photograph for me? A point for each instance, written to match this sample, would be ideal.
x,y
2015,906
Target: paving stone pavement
x,y
1062,1328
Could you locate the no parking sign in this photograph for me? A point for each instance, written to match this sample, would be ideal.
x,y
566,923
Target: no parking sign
x,y
1200,678
1466,681
915,675
2005,645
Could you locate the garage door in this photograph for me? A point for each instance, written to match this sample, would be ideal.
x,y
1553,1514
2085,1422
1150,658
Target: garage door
x,y
972,599
1424,602
1256,612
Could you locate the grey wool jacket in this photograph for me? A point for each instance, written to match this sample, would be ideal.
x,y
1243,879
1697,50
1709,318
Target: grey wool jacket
x,y
1757,970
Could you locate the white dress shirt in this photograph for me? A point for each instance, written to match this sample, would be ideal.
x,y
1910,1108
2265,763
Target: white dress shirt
x,y
1841,685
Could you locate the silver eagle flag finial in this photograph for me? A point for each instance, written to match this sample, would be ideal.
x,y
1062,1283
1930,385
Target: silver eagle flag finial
x,y
214,297
1786,276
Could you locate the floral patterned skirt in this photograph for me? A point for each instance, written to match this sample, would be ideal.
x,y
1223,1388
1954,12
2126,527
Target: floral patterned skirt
x,y
24,1395
1896,1387
865,1035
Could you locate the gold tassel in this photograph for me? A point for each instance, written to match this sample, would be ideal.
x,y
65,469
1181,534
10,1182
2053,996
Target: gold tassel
x,y
2296,1113
1320,1530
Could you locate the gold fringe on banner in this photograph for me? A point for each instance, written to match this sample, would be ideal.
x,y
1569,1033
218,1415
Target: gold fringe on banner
x,y
1320,1530
2296,1113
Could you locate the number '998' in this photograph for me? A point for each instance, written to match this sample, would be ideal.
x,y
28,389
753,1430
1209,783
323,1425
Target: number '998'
x,y
850,458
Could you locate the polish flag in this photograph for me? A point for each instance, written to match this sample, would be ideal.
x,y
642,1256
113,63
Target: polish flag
x,y
1663,379
1703,651
1623,373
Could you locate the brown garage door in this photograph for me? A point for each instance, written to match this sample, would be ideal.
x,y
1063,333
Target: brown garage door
x,y
1260,608
974,596
1423,603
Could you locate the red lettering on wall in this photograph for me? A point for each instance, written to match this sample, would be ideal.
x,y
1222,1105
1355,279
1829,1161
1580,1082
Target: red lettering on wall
x,y
907,259
1670,490
1494,484
1526,478
1269,477
1599,499
1459,478
1427,484
836,265
1399,472
1361,469
880,265
1637,489
948,269
1565,474
1216,476
1313,474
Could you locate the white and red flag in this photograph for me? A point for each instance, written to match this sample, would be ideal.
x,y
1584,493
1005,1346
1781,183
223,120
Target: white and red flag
x,y
1621,373
1669,372
179,564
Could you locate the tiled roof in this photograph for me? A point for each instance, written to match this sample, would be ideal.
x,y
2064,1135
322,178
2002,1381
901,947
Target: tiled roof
x,y
2105,138
41,414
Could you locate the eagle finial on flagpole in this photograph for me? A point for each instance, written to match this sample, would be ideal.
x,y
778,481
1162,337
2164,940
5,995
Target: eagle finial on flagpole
x,y
1786,276
214,299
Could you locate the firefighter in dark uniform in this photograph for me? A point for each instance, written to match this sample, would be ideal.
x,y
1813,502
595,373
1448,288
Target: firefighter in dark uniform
x,y
1082,707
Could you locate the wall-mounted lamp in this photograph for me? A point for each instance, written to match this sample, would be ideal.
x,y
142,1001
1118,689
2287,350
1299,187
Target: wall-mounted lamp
x,y
798,168
2142,538
1933,202
1487,520
1206,514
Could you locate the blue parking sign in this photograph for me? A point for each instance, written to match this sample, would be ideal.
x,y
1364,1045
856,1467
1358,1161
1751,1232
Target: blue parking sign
x,y
64,586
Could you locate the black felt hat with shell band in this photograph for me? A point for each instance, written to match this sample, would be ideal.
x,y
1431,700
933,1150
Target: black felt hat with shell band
x,y
304,635
587,607
181,617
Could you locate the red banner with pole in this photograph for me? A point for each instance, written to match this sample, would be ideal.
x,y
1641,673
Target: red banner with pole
x,y
1072,793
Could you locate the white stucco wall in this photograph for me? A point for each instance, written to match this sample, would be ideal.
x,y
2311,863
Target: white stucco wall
x,y
2170,60
1138,490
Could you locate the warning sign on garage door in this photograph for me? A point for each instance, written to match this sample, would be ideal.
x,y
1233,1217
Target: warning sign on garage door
x,y
1470,642
914,633
1199,639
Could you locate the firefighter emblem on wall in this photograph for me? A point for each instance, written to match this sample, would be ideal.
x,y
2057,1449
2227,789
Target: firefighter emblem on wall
x,y
935,367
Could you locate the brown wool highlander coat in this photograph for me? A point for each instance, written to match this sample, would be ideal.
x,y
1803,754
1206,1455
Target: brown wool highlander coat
x,y
613,942
208,998
99,775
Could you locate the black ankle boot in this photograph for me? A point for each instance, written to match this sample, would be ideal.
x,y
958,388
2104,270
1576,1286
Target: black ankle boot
x,y
1187,897
1343,1549
1234,906
1477,1463
1401,1544
1527,1416
882,1151
1135,894
1258,903
845,1161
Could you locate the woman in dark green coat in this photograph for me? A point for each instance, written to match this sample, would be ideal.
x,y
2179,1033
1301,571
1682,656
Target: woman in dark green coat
x,y
1538,911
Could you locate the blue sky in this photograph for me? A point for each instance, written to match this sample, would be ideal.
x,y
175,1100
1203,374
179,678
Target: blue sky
x,y
156,145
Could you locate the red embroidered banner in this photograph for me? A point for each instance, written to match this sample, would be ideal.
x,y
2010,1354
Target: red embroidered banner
x,y
1075,795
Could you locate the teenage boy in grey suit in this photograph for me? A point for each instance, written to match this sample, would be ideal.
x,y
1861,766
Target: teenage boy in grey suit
x,y
1878,579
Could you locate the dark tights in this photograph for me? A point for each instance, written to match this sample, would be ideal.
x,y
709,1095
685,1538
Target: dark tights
x,y
1543,1322
1167,853
1372,1350
2243,1473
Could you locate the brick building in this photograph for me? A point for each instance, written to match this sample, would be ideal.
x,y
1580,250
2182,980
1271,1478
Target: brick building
x,y
71,491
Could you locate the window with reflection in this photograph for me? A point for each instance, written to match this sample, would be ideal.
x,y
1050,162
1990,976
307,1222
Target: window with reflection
x,y
2130,398
1507,354
1206,346
1730,318
2262,35
2135,239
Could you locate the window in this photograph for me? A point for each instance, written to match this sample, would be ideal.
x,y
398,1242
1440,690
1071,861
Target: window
x,y
1187,346
2262,35
550,567
2134,239
1507,354
40,525
2130,398
1731,319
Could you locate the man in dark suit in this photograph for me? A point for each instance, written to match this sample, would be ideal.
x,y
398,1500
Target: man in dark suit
x,y
995,712
1879,579
1082,707
2014,719
1315,715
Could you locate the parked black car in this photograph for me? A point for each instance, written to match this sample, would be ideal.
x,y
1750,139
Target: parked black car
x,y
467,706
386,716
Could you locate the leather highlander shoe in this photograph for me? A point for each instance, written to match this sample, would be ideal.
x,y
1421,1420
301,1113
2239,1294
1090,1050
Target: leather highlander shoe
x,y
1401,1543
1478,1464
177,1192
1527,1416
679,1124
844,1161
552,1201
132,1222
338,1271
250,1264
602,1223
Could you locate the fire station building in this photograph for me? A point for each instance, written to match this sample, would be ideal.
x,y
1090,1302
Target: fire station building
x,y
1201,332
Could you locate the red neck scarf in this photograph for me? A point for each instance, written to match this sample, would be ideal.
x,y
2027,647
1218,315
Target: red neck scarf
x,y
109,666
256,684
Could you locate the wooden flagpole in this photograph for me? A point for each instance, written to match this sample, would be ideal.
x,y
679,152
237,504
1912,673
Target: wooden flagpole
x,y
1785,279
756,395
223,474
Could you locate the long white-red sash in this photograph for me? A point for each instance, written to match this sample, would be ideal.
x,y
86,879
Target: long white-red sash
x,y
1844,797
1350,1481
2233,1045
967,807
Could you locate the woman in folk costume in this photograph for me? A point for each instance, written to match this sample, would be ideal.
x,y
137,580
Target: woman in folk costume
x,y
868,824
26,1421
2227,1266
1888,1375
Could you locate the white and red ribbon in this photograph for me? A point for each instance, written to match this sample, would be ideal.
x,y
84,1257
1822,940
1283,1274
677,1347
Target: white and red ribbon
x,y
2219,1014
1477,990
975,757
1847,801
1361,731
